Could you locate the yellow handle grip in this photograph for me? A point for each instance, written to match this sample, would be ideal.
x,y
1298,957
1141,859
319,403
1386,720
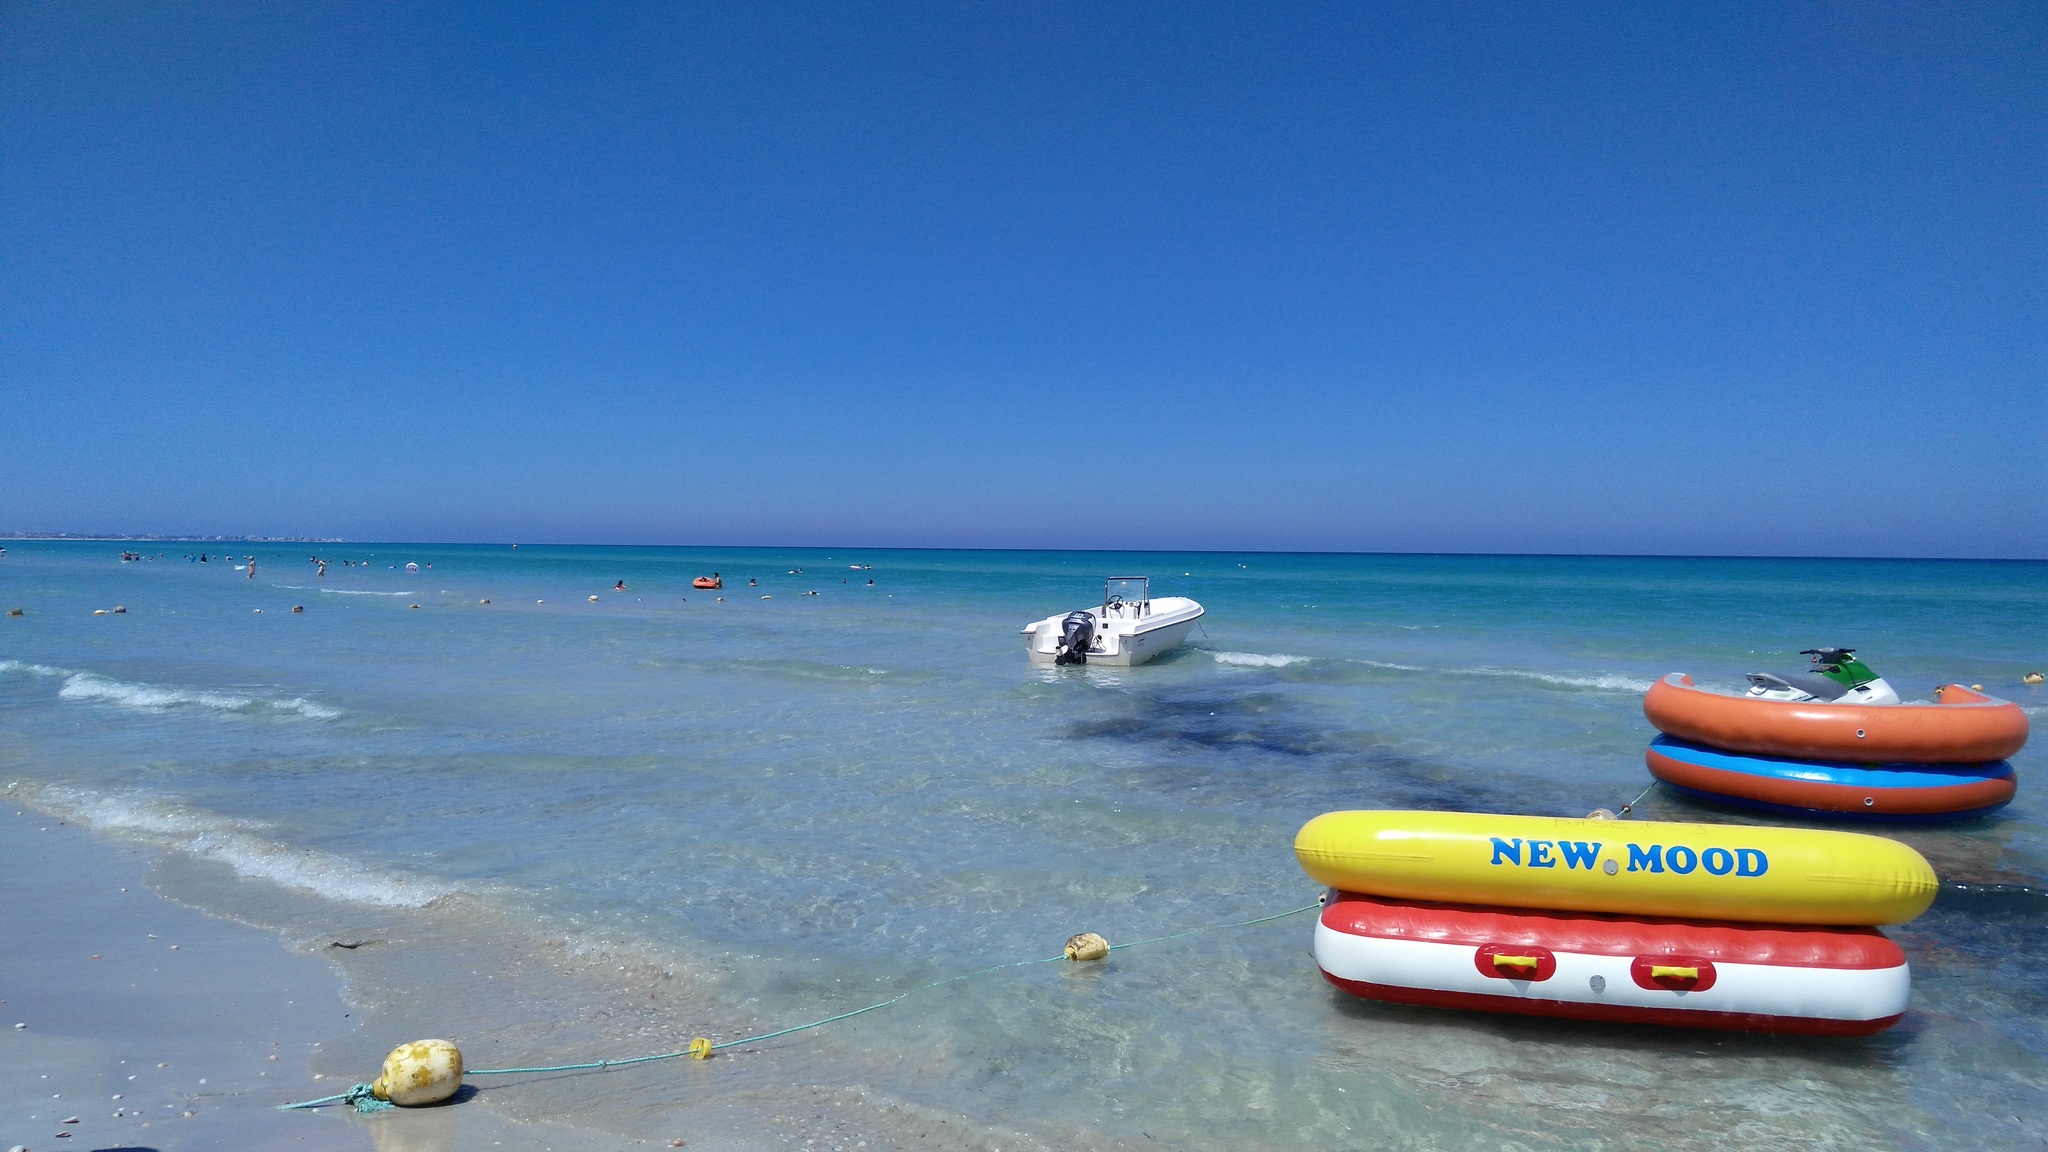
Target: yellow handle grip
x,y
1516,962
1673,972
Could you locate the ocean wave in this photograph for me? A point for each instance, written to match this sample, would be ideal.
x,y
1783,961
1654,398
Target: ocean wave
x,y
808,669
150,697
138,816
1602,682
1607,682
1256,659
350,591
30,669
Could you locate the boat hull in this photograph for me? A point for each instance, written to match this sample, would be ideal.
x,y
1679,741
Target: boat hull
x,y
1748,977
1966,727
1888,793
1122,649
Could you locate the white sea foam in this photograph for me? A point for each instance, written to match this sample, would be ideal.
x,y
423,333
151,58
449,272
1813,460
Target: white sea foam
x,y
237,844
1257,660
30,669
354,592
1607,682
150,697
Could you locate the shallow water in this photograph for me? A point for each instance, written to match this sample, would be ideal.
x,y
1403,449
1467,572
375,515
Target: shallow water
x,y
795,806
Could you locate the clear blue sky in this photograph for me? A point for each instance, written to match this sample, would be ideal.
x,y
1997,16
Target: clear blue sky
x,y
1576,278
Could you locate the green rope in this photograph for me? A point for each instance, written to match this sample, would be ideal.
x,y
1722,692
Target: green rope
x,y
1630,806
364,1101
762,1036
1214,927
362,1096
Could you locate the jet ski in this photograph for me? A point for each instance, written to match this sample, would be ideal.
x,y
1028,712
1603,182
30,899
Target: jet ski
x,y
1836,677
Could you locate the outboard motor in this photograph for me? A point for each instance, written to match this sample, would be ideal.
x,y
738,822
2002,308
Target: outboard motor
x,y
1077,633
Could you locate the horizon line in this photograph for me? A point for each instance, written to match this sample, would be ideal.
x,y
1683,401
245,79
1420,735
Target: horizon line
x,y
116,538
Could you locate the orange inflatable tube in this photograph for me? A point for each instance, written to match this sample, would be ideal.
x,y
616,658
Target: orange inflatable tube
x,y
1966,727
707,582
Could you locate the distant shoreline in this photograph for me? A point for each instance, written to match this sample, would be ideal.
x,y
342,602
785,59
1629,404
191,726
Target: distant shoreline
x,y
90,537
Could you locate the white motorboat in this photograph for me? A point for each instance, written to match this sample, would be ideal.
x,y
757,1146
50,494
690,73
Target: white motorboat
x,y
1129,629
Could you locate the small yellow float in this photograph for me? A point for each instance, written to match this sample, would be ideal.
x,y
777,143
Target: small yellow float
x,y
1642,868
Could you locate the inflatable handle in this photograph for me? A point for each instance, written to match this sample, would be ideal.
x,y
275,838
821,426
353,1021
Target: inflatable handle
x,y
1673,973
1515,962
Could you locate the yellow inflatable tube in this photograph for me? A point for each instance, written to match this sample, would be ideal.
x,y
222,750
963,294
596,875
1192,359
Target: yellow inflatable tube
x,y
1639,867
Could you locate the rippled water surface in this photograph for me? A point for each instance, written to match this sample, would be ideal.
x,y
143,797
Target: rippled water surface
x,y
805,803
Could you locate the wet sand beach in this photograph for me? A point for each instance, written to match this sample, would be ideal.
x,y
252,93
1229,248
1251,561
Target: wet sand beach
x,y
131,1022
153,1024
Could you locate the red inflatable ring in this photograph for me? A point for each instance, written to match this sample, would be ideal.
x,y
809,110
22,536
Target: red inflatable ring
x,y
1966,727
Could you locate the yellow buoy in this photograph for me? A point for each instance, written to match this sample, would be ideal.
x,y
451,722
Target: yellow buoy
x,y
422,1072
1087,946
1638,867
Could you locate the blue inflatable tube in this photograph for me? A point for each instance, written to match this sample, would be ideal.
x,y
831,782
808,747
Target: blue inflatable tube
x,y
1894,793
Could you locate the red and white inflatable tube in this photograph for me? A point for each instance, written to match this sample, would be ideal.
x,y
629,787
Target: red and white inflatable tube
x,y
1589,966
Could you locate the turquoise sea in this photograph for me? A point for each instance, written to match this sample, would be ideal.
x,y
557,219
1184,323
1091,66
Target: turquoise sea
x,y
658,814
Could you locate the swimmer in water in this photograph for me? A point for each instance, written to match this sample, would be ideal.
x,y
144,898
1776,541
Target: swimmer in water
x,y
619,587
252,567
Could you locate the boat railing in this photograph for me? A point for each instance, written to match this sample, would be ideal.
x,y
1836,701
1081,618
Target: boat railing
x,y
1115,602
